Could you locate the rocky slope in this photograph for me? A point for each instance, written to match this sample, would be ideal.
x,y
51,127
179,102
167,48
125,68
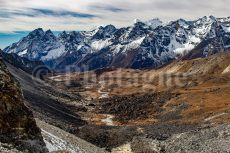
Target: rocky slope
x,y
17,126
45,105
142,45
23,63
59,140
123,103
210,140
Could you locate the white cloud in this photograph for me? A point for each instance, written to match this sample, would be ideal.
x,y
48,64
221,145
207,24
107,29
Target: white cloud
x,y
117,12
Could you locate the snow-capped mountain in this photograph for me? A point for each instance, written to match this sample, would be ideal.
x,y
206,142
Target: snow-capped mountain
x,y
142,45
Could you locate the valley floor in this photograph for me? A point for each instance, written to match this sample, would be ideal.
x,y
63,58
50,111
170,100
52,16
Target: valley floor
x,y
111,114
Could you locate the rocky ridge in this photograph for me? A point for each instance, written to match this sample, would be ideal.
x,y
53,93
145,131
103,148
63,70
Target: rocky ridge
x,y
17,125
143,45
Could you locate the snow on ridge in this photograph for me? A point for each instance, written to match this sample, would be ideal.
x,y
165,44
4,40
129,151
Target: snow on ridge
x,y
173,39
79,47
22,52
54,53
154,23
136,43
226,29
100,44
123,48
224,19
186,47
133,45
183,24
136,21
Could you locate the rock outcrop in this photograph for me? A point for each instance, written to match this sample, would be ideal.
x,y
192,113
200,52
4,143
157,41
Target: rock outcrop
x,y
17,125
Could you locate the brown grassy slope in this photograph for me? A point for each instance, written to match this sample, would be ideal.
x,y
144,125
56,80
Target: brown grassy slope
x,y
202,95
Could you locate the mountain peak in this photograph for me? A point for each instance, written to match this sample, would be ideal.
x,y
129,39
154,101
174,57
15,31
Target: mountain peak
x,y
208,18
38,30
49,35
154,23
63,34
103,32
136,21
105,27
49,31
212,17
110,26
36,33
159,42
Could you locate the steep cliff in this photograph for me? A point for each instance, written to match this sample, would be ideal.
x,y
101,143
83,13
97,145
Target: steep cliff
x,y
17,125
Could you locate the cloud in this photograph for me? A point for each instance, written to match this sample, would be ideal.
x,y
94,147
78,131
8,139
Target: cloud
x,y
102,7
3,14
86,14
43,12
57,13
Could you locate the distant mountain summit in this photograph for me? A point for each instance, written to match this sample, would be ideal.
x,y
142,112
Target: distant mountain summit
x,y
143,45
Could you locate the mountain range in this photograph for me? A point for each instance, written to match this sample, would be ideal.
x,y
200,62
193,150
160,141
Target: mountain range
x,y
148,44
181,105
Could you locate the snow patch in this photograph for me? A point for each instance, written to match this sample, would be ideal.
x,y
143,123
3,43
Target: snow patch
x,y
154,23
55,53
79,47
124,48
117,49
100,44
182,23
135,44
136,21
177,47
183,48
22,52
226,29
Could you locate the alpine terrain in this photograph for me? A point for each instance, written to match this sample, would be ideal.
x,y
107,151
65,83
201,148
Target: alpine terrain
x,y
152,87
143,45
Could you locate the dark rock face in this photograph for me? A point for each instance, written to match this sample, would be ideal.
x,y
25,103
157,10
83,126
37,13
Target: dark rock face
x,y
17,125
22,62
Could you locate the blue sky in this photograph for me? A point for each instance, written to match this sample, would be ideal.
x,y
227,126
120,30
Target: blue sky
x,y
7,39
59,15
